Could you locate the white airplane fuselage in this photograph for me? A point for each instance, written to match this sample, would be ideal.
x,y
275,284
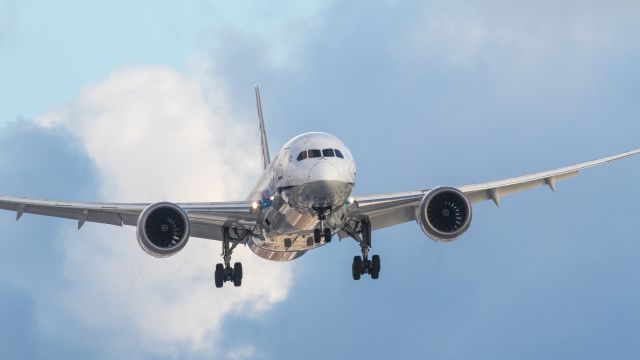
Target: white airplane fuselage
x,y
313,174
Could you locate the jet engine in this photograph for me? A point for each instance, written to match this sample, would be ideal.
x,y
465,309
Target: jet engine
x,y
444,214
163,229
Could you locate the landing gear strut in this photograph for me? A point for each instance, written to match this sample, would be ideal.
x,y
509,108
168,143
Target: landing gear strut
x,y
224,272
360,231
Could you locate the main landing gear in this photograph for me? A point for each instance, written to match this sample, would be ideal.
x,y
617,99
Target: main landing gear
x,y
360,231
224,272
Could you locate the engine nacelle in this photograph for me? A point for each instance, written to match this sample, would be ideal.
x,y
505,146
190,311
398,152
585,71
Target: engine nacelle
x,y
163,229
444,214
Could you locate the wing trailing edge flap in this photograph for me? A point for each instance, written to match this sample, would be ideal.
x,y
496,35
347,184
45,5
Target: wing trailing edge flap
x,y
206,219
67,211
495,194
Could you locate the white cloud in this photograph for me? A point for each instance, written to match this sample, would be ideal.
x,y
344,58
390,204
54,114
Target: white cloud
x,y
463,33
280,28
154,134
558,51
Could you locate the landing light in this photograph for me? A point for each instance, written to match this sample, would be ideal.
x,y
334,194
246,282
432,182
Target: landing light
x,y
255,205
351,200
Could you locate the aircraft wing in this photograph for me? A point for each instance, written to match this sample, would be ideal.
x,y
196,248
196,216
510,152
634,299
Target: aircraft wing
x,y
386,210
206,219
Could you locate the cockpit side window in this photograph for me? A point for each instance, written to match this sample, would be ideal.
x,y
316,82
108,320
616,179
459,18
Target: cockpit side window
x,y
314,153
339,154
302,155
328,153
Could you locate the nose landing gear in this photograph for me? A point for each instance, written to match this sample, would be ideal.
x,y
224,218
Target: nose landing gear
x,y
360,231
322,231
327,234
319,233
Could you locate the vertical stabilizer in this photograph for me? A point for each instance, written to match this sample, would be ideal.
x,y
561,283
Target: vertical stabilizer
x,y
264,146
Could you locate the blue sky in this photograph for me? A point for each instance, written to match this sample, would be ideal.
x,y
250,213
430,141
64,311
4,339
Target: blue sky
x,y
95,99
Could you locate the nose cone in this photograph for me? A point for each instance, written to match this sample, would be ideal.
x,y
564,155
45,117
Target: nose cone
x,y
326,186
324,171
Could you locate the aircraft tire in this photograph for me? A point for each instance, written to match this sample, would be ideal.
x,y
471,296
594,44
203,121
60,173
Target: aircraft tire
x,y
219,275
375,266
327,235
356,268
237,274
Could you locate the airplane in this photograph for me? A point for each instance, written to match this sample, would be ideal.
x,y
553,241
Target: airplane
x,y
302,200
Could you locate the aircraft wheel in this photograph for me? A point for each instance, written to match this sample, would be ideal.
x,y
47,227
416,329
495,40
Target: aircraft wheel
x,y
375,266
327,234
219,275
237,274
317,235
356,268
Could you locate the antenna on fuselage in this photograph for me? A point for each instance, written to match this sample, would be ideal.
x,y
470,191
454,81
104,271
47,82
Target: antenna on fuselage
x,y
264,146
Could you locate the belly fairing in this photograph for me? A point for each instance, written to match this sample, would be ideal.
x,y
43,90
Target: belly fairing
x,y
287,225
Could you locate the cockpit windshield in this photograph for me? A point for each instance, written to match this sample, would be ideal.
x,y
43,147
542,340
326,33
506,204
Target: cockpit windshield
x,y
315,153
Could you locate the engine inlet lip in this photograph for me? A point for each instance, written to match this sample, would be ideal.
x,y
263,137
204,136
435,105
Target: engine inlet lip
x,y
434,233
151,247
